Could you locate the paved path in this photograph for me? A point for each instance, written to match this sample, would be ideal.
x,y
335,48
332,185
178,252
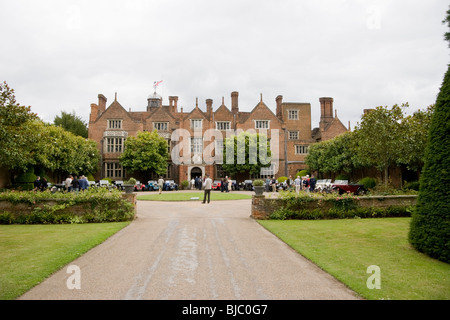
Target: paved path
x,y
189,250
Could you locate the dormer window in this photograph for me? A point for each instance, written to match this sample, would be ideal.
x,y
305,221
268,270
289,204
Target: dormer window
x,y
261,124
114,124
196,124
223,125
161,126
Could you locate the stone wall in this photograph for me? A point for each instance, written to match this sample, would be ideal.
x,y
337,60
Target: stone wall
x,y
262,207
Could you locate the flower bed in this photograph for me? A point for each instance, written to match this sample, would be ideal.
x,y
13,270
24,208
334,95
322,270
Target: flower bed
x,y
313,206
95,205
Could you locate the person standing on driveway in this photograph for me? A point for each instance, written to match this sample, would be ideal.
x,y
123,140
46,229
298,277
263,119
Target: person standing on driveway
x,y
160,184
207,186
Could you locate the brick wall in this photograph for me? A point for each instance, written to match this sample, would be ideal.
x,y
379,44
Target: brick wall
x,y
262,207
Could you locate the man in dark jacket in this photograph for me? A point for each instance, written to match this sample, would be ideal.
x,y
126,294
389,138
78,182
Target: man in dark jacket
x,y
312,183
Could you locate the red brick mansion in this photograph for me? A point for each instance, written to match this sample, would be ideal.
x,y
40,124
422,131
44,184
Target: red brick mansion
x,y
288,129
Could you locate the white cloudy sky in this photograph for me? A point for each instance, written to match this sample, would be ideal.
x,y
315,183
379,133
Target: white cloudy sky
x,y
59,55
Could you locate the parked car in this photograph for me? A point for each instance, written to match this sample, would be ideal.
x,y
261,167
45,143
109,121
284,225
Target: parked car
x,y
139,186
103,183
170,185
248,185
216,184
152,185
118,184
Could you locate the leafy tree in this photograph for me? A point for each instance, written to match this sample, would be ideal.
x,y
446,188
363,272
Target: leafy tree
x,y
333,155
378,138
147,152
16,133
414,138
246,152
430,224
72,123
63,152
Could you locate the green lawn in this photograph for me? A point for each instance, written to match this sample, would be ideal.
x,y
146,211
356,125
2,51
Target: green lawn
x,y
186,196
30,253
346,248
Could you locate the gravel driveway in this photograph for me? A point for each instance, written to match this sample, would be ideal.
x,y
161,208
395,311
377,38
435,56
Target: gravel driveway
x,y
190,250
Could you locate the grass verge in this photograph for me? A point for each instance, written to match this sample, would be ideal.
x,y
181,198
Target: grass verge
x,y
346,248
187,196
30,253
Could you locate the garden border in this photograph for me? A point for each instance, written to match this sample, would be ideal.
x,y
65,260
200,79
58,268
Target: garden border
x,y
263,207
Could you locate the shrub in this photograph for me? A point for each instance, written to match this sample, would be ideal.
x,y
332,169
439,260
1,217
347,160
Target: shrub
x,y
185,184
25,180
131,181
368,182
341,177
413,185
99,205
430,227
302,173
282,179
258,182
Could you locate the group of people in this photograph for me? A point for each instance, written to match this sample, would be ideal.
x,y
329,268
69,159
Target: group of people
x,y
72,183
39,184
305,183
226,184
196,183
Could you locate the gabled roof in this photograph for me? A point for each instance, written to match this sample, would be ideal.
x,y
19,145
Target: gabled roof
x,y
115,106
333,123
162,109
243,116
195,110
223,107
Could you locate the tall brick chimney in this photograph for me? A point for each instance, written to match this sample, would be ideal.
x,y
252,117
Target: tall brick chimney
x,y
101,103
279,100
326,112
175,106
94,112
209,111
234,102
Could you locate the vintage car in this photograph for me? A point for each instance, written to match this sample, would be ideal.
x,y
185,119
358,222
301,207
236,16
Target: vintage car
x,y
216,185
152,185
139,186
247,185
342,187
118,184
170,185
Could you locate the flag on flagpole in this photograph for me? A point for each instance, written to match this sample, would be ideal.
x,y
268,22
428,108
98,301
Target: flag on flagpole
x,y
156,84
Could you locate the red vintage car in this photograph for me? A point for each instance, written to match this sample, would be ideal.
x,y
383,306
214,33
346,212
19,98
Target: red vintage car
x,y
216,185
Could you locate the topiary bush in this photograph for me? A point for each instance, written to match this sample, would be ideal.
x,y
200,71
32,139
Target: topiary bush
x,y
24,181
430,223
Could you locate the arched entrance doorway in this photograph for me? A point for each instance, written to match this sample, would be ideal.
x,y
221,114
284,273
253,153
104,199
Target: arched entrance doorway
x,y
196,172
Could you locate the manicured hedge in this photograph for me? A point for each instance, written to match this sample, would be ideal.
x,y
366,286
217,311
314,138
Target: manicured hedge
x,y
430,225
336,213
95,205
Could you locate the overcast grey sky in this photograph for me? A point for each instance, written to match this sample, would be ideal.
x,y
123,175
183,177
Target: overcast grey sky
x,y
59,55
